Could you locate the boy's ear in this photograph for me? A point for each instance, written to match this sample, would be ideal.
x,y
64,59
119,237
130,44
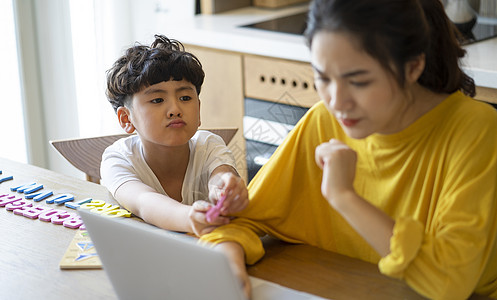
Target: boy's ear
x,y
415,67
123,115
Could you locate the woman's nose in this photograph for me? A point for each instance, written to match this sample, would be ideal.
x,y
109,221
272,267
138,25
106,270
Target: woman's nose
x,y
339,98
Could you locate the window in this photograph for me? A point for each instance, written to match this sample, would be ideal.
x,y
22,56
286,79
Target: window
x,y
12,134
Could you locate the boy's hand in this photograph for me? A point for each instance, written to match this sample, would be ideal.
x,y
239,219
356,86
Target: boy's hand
x,y
197,218
233,188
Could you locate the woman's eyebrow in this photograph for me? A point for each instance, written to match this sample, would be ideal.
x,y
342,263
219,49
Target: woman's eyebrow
x,y
317,69
344,75
354,73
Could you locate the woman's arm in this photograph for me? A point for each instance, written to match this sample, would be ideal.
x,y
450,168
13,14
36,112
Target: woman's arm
x,y
338,162
236,256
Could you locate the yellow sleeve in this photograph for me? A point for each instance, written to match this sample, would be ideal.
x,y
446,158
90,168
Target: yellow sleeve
x,y
454,255
404,246
244,232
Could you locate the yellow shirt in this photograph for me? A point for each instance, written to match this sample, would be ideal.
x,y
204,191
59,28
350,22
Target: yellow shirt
x,y
437,179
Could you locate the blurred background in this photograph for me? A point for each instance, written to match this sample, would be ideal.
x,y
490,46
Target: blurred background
x,y
55,54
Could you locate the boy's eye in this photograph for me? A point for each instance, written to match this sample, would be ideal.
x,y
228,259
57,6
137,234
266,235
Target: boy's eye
x,y
185,98
157,100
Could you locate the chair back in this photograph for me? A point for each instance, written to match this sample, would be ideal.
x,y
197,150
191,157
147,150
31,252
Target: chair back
x,y
86,153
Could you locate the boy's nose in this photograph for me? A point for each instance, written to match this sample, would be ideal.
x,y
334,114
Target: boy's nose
x,y
174,110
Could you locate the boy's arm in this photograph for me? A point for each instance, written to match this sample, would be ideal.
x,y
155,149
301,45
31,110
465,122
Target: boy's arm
x,y
163,211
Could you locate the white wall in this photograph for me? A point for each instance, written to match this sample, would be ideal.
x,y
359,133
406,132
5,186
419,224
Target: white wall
x,y
45,55
63,63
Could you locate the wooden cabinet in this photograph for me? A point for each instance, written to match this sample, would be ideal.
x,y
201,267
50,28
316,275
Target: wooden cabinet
x,y
281,81
232,76
221,97
486,94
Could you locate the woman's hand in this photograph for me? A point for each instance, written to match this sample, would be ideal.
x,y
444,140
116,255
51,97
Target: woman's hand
x,y
197,219
338,163
233,188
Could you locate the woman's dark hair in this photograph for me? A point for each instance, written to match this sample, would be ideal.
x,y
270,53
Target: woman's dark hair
x,y
396,31
142,66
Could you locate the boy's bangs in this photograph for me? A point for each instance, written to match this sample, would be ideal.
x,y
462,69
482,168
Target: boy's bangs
x,y
177,71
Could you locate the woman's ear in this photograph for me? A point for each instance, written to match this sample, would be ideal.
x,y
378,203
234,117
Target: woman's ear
x,y
414,68
124,117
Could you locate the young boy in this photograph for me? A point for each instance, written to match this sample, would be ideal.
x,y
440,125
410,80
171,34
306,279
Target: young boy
x,y
160,173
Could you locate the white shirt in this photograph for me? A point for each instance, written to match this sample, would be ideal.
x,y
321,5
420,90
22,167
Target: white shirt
x,y
124,161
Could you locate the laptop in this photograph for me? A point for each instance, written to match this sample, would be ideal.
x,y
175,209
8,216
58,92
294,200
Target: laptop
x,y
146,262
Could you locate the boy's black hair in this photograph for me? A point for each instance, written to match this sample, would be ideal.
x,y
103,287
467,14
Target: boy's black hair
x,y
141,66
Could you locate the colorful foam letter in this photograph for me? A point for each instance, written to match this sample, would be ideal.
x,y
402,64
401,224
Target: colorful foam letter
x,y
59,199
22,187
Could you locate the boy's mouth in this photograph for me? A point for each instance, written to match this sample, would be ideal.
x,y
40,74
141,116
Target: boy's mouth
x,y
176,123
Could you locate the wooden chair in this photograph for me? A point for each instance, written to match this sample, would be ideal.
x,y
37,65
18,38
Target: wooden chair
x,y
86,153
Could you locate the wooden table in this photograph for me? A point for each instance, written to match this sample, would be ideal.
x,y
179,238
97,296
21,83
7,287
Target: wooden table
x,y
30,252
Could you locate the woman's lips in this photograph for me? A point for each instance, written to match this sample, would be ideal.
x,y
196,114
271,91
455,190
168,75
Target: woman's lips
x,y
349,122
176,124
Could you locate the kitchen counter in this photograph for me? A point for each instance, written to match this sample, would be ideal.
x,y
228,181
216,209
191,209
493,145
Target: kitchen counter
x,y
223,32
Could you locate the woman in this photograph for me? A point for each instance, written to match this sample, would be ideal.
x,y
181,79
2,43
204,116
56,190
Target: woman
x,y
396,166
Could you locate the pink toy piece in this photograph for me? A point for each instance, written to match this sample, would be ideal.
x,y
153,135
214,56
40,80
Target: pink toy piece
x,y
48,215
73,223
34,212
4,200
214,211
18,205
60,218
82,227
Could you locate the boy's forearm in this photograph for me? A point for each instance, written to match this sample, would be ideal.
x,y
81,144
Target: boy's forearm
x,y
156,209
166,213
